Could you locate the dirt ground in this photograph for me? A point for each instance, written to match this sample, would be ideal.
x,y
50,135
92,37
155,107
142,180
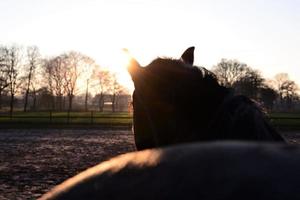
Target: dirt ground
x,y
33,161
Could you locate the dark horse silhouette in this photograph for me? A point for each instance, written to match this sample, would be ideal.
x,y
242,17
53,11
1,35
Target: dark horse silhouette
x,y
176,102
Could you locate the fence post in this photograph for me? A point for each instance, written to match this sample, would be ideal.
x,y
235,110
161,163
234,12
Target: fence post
x,y
50,116
92,117
68,117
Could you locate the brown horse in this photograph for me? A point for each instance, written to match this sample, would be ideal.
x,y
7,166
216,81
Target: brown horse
x,y
176,102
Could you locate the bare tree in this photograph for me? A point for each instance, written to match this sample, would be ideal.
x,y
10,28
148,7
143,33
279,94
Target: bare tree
x,y
34,96
54,69
116,90
48,71
71,74
4,71
33,57
268,96
58,81
44,99
229,71
250,84
88,68
74,65
287,89
63,73
102,80
278,83
86,95
14,62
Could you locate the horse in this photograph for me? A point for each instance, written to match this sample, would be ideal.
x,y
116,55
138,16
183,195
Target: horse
x,y
204,170
204,142
176,102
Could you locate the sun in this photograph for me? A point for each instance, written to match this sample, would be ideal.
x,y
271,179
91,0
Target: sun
x,y
118,65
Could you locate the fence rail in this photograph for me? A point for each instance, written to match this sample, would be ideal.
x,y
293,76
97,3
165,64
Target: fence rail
x,y
294,118
94,117
61,117
66,118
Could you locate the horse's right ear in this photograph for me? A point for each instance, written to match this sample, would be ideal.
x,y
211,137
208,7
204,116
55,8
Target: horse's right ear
x,y
134,69
188,56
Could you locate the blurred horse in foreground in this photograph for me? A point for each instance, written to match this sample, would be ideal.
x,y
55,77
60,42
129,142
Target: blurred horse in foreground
x,y
205,171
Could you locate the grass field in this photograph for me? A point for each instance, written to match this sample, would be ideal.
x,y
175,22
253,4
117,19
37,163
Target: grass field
x,y
286,120
32,119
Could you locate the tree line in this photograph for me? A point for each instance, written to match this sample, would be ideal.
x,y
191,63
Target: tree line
x,y
279,94
33,82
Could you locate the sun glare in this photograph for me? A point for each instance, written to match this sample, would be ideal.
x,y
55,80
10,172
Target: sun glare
x,y
118,65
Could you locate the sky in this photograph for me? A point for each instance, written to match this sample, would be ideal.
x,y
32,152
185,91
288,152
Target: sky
x,y
265,34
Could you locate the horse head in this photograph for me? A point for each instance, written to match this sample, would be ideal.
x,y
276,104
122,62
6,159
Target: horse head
x,y
173,101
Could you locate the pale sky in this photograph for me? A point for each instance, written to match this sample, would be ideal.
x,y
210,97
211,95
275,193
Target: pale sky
x,y
265,34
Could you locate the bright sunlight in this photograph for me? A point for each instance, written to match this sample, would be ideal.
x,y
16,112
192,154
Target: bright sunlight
x,y
118,65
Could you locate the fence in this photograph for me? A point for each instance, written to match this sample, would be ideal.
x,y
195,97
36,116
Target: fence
x,y
66,118
100,118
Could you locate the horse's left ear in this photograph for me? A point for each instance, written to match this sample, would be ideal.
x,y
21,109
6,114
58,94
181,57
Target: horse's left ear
x,y
188,56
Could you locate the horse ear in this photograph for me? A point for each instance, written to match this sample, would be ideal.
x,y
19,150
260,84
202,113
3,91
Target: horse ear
x,y
188,56
134,68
